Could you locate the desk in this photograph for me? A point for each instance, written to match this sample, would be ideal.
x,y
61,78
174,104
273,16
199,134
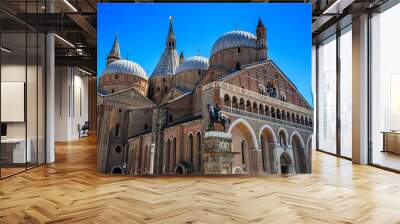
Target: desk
x,y
391,141
13,150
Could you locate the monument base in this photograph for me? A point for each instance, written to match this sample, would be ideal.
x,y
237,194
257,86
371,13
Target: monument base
x,y
217,153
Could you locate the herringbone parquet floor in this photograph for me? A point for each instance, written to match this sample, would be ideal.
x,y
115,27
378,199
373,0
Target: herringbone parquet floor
x,y
70,191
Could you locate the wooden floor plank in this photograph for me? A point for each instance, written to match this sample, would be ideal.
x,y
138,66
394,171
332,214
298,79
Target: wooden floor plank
x,y
70,191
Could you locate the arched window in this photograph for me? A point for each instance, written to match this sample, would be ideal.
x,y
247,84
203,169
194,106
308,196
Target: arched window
x,y
237,66
255,107
199,151
116,170
261,88
146,158
272,112
283,96
170,118
117,130
191,149
261,109
140,159
241,104
288,116
168,155
235,102
278,113
174,152
248,106
282,138
263,153
243,145
238,49
227,100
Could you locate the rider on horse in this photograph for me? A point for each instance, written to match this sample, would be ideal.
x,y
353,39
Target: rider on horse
x,y
215,115
217,112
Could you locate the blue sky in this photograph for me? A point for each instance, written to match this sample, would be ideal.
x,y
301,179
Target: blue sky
x,y
142,30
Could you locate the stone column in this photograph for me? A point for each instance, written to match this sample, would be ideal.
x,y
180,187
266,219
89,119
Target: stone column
x,y
152,150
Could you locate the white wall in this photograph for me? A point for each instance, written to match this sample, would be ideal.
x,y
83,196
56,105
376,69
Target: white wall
x,y
71,102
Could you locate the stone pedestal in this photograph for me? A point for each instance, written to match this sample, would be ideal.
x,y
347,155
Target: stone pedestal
x,y
217,153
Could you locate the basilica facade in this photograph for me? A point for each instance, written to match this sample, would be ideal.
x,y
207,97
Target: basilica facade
x,y
156,125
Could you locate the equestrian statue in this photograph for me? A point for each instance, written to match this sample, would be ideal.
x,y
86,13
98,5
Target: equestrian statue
x,y
215,115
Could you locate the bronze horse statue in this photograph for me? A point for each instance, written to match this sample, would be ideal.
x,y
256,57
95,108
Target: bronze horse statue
x,y
216,116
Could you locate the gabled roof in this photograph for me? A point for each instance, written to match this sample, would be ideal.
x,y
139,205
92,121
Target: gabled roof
x,y
175,93
276,67
130,98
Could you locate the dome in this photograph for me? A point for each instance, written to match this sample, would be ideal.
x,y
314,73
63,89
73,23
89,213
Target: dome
x,y
193,63
234,39
125,67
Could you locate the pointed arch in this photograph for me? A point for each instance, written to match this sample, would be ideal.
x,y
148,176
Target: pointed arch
x,y
285,135
248,126
262,129
298,134
168,156
300,158
309,146
268,143
245,143
198,138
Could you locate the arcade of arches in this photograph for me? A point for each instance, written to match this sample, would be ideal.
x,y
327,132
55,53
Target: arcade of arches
x,y
267,153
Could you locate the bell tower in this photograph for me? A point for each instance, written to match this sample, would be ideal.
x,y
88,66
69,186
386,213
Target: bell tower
x,y
171,42
261,41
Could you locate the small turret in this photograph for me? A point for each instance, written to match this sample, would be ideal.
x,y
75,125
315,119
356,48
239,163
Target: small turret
x,y
115,53
261,41
181,58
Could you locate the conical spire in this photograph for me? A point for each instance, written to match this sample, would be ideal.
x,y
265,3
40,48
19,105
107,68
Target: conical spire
x,y
115,53
260,23
171,36
169,59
